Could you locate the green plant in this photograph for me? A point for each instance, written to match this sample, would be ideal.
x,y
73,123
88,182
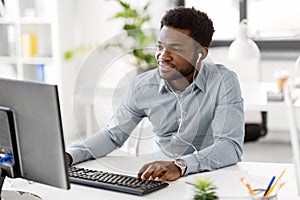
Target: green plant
x,y
139,39
78,50
134,20
205,190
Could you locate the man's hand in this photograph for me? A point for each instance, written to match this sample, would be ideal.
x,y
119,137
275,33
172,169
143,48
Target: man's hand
x,y
69,159
160,170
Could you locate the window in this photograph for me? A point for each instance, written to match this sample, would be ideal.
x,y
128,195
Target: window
x,y
224,14
278,19
273,24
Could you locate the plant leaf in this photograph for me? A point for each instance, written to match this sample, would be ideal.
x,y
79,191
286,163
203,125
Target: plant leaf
x,y
124,5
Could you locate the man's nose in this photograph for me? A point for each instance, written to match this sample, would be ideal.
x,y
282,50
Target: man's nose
x,y
165,55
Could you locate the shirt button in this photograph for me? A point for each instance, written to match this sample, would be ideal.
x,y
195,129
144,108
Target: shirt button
x,y
179,119
174,137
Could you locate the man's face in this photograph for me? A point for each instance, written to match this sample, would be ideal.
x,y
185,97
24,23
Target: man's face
x,y
176,54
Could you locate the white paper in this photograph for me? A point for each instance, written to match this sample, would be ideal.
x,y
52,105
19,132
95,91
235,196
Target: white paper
x,y
228,184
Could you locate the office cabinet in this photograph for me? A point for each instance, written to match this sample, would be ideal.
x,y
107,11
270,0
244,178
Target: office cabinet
x,y
28,40
33,36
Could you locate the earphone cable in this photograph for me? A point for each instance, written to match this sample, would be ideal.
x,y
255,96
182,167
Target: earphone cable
x,y
182,117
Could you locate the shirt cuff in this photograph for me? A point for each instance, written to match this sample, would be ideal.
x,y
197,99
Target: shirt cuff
x,y
77,154
192,164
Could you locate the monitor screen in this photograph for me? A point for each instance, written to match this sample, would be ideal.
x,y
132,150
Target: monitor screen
x,y
39,144
5,142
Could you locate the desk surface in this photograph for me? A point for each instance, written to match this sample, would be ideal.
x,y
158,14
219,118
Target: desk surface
x,y
176,190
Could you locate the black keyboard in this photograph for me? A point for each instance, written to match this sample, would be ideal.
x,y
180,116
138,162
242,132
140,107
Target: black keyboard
x,y
112,181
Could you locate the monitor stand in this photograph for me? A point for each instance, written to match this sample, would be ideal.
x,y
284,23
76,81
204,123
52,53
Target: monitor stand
x,y
14,194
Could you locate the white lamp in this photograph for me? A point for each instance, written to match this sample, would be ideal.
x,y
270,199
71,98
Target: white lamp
x,y
244,56
244,59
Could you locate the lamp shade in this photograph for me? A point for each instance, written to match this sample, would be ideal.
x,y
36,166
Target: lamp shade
x,y
244,55
243,47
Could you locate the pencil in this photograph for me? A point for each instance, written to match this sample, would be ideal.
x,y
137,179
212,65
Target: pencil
x,y
247,186
273,186
280,186
269,185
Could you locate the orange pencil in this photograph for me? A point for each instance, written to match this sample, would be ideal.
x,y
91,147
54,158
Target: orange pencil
x,y
247,186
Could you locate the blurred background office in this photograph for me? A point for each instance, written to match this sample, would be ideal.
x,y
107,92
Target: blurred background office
x,y
50,41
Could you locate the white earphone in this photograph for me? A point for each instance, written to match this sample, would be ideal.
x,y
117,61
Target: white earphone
x,y
199,58
200,55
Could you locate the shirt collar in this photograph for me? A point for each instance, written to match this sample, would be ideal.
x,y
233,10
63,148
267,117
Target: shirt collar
x,y
162,86
199,81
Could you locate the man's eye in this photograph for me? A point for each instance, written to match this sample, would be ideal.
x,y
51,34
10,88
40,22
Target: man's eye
x,y
159,47
176,50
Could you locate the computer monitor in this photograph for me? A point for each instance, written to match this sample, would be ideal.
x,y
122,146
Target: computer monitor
x,y
32,143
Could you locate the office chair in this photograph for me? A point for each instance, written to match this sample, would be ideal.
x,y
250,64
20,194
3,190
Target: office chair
x,y
253,131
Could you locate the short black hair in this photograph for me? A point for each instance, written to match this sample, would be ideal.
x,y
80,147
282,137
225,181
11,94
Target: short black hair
x,y
198,23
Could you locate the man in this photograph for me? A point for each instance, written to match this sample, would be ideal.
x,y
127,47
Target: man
x,y
195,107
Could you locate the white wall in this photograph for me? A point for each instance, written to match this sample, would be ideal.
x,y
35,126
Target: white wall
x,y
95,23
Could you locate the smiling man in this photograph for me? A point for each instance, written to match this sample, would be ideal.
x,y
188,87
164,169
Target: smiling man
x,y
195,107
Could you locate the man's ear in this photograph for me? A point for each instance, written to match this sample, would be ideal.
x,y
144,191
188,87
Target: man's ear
x,y
203,51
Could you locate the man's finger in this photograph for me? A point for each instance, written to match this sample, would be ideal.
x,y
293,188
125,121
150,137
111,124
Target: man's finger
x,y
148,172
158,172
142,170
172,173
165,177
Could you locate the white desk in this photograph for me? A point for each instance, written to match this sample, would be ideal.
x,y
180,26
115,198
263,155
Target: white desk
x,y
176,189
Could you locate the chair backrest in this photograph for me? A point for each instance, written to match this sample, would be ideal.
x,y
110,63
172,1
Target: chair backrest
x,y
256,129
141,141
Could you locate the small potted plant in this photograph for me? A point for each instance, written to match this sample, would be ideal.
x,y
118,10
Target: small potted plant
x,y
205,190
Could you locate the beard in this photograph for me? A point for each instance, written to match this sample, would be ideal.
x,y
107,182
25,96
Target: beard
x,y
173,74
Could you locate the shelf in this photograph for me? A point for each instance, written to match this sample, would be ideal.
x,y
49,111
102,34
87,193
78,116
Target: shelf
x,y
8,60
4,20
37,21
37,60
27,61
